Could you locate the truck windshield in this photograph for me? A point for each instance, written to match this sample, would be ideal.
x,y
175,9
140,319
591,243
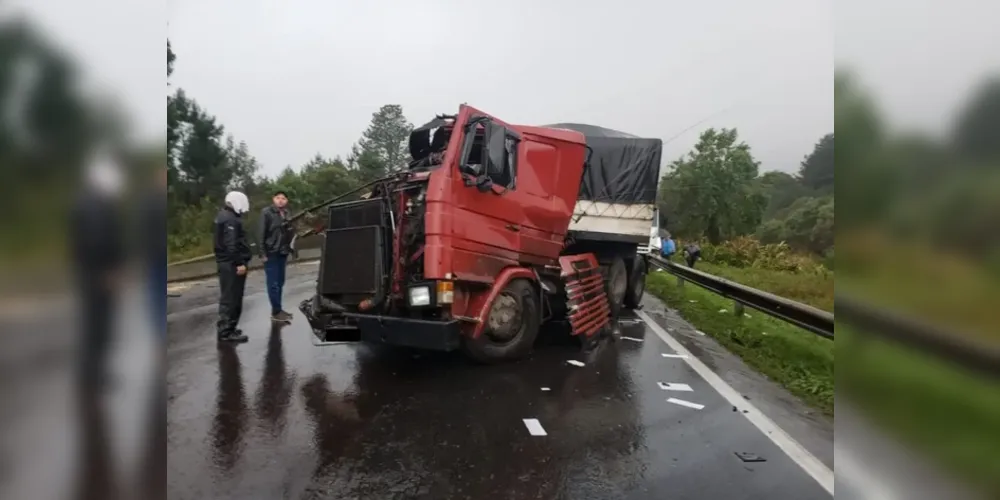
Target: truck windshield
x,y
428,143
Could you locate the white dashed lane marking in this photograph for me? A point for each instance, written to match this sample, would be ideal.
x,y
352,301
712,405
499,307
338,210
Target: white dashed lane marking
x,y
669,386
689,404
667,355
534,427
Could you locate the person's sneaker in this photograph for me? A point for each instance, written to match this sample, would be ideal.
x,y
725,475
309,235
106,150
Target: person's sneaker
x,y
235,337
287,315
281,317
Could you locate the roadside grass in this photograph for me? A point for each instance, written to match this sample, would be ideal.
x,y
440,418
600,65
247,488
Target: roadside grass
x,y
935,407
807,288
795,358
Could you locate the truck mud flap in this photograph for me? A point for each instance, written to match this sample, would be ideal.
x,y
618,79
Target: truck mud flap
x,y
587,302
329,329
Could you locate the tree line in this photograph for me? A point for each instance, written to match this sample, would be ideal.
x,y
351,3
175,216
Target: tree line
x,y
716,191
204,163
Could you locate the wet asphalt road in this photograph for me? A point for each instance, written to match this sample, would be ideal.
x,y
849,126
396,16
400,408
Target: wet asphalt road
x,y
279,418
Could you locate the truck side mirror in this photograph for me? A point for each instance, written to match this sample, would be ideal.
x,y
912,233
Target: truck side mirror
x,y
495,148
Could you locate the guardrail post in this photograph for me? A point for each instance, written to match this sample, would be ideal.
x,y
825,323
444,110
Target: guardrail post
x,y
738,309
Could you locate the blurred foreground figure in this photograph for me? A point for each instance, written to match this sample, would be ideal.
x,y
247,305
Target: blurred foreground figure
x,y
232,254
99,260
98,254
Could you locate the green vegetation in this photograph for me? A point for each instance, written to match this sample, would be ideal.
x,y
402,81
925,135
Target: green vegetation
x,y
798,360
716,193
747,252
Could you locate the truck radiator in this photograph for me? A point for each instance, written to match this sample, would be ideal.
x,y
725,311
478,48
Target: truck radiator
x,y
354,257
587,303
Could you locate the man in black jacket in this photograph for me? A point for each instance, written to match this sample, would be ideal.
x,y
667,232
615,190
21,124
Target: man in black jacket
x,y
275,237
232,254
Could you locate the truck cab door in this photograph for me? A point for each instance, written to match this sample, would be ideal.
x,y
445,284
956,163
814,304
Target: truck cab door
x,y
489,213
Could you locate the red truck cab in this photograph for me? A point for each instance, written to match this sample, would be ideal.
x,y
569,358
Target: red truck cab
x,y
463,248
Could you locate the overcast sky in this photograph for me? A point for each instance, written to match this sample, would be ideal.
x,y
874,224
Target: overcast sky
x,y
297,77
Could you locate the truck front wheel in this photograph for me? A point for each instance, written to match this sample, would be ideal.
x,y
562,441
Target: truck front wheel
x,y
511,325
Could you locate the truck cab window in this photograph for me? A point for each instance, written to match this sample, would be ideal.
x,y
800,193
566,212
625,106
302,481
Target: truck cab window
x,y
502,150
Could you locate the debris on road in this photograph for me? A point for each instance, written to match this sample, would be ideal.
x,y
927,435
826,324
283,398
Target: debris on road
x,y
749,457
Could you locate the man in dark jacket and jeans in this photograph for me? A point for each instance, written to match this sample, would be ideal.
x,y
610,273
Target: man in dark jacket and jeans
x,y
275,239
232,254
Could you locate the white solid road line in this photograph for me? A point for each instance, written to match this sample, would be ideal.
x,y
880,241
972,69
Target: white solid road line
x,y
670,386
633,339
534,427
689,404
812,465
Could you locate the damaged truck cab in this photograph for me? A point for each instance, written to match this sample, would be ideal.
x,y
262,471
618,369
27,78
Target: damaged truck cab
x,y
470,247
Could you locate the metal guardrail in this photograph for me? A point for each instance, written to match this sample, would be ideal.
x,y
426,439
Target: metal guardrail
x,y
810,318
956,347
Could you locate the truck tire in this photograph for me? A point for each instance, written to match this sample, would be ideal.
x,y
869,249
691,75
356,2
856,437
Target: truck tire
x,y
636,283
511,325
616,286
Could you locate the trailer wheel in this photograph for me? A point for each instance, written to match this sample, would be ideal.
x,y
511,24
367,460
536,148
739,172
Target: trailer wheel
x,y
636,283
617,285
511,325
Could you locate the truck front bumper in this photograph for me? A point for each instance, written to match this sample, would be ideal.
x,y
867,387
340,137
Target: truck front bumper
x,y
408,332
345,328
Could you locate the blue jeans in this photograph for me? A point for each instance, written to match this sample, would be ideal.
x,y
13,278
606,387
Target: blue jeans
x,y
274,272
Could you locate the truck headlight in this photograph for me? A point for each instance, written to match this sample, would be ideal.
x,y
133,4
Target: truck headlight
x,y
420,296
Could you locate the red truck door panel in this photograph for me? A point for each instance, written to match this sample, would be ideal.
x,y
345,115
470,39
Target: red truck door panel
x,y
474,231
509,223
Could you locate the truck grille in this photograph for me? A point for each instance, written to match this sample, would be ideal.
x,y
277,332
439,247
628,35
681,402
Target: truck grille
x,y
353,263
350,261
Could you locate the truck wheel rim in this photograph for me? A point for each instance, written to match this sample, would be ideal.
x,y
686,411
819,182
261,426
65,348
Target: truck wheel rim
x,y
504,320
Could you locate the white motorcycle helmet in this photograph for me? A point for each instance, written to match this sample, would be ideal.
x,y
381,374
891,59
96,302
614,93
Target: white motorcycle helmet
x,y
238,201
